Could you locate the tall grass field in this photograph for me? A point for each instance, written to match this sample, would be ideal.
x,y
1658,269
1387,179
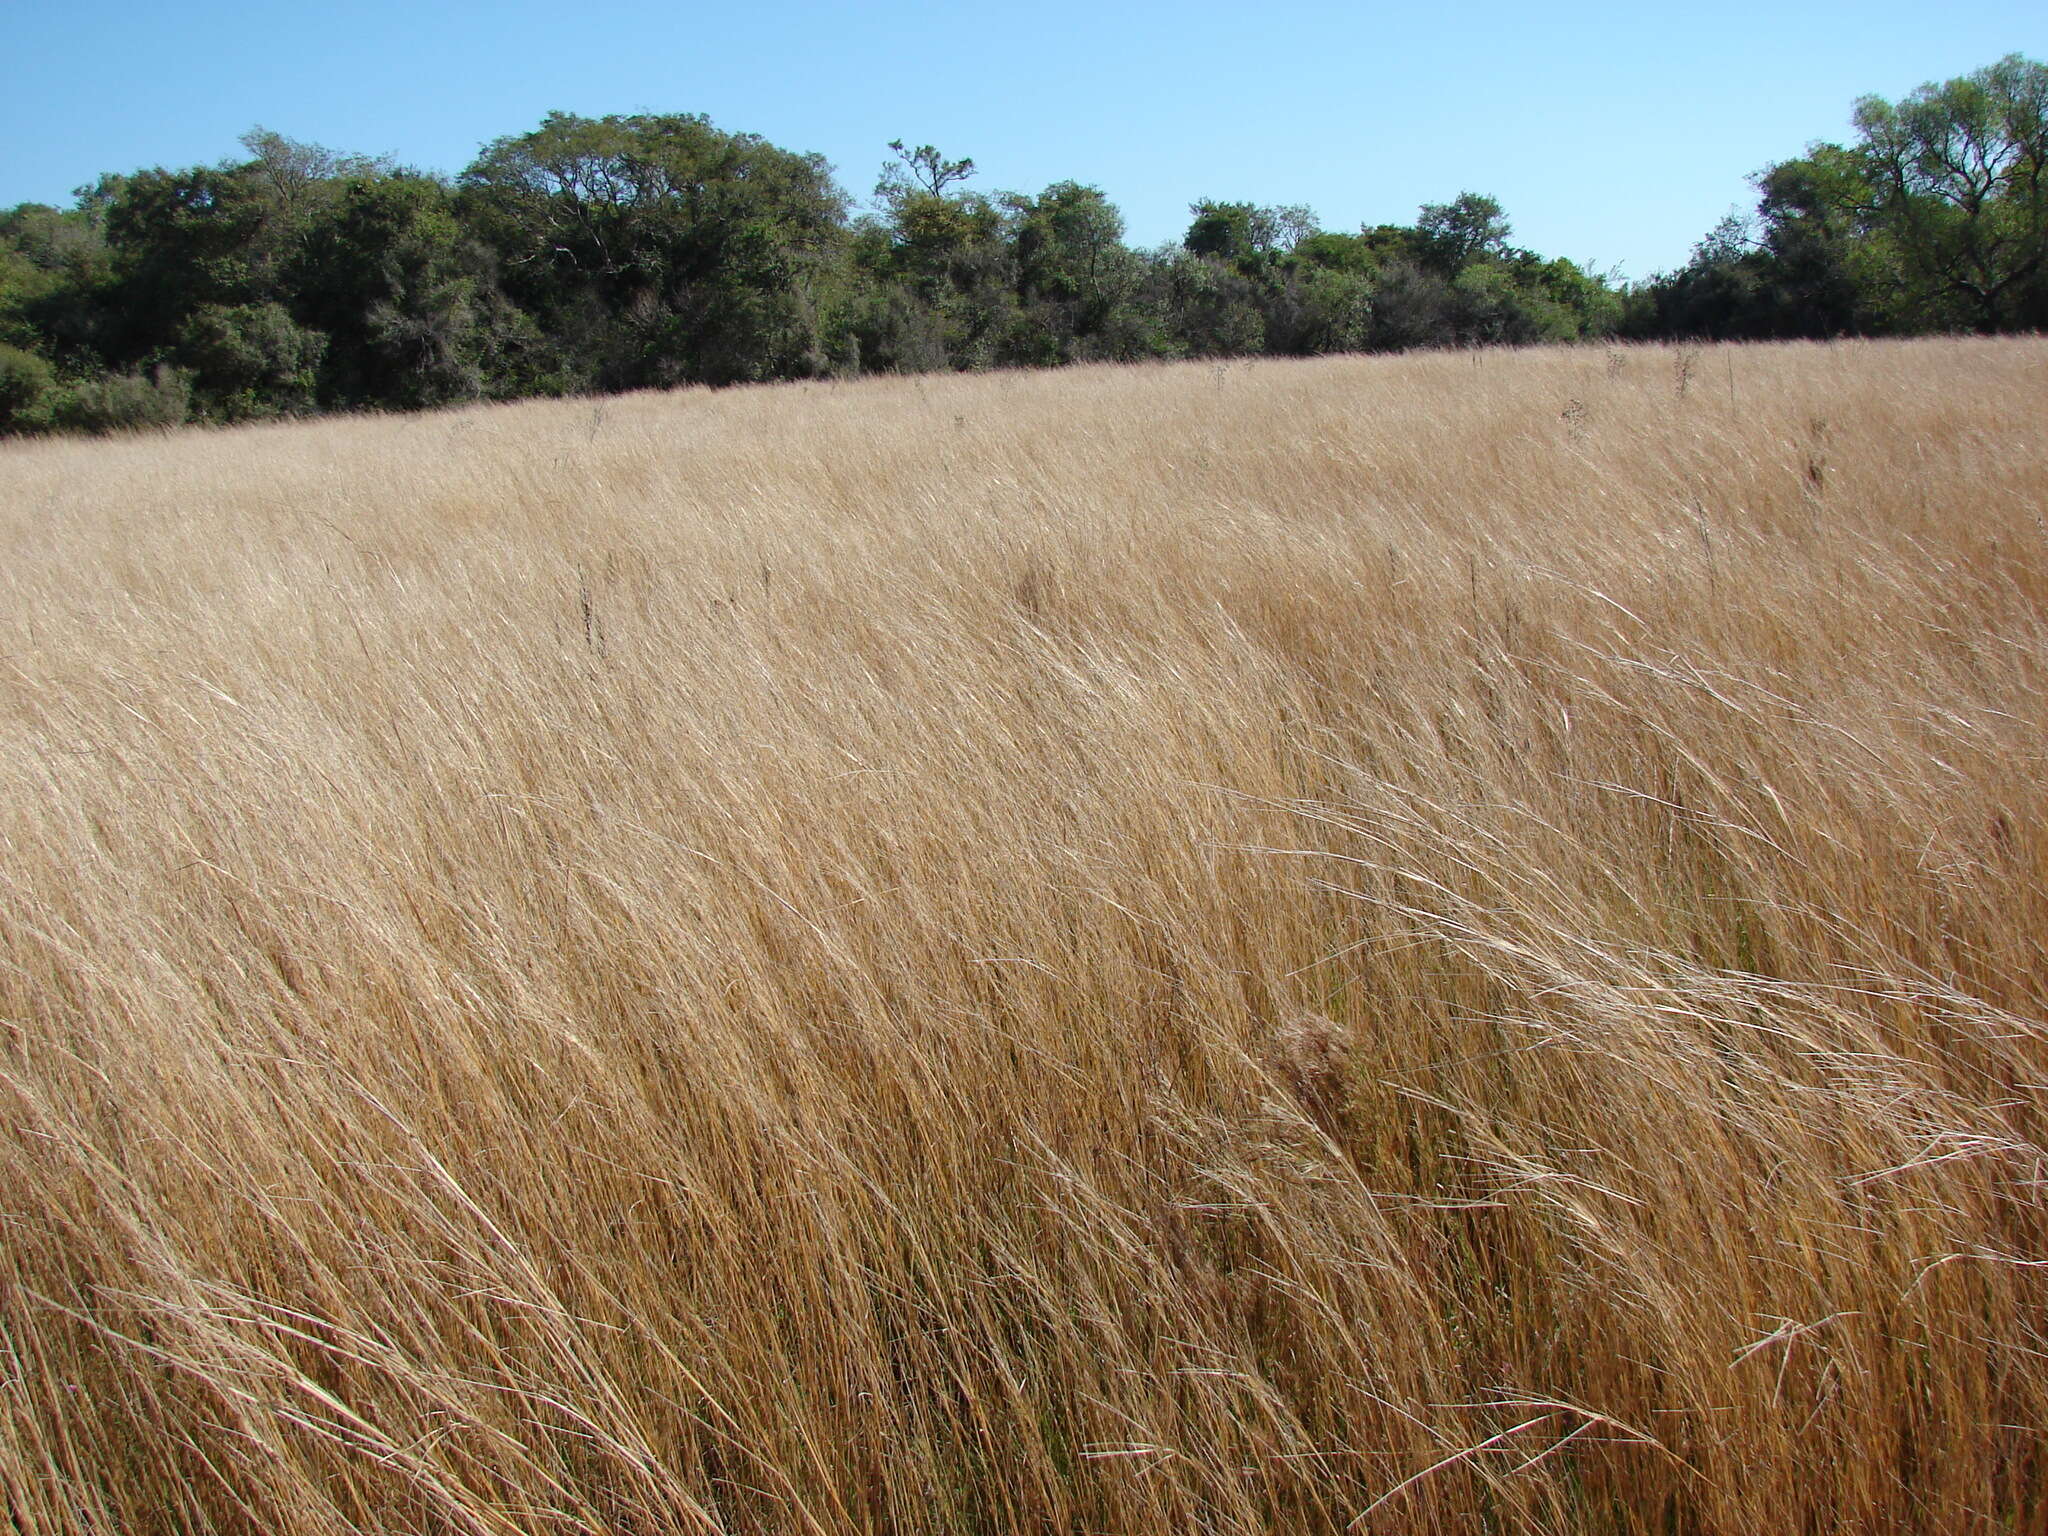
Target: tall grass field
x,y
1443,944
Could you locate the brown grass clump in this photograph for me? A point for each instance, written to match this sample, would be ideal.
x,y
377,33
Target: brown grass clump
x,y
1446,944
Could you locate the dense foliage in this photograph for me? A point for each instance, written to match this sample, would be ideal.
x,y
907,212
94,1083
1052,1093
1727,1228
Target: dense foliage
x,y
629,252
1934,220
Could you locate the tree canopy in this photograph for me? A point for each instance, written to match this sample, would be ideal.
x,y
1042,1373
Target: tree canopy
x,y
620,252
1934,219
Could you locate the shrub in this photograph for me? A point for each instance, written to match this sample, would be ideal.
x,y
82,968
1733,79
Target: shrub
x,y
252,359
126,402
25,384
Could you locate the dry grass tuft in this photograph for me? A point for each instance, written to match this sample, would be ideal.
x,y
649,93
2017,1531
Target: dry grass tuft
x,y
1427,945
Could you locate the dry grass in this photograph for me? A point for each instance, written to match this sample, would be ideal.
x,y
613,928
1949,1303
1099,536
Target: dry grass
x,y
1428,945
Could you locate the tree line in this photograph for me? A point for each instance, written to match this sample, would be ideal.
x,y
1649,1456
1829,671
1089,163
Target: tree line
x,y
601,254
1935,219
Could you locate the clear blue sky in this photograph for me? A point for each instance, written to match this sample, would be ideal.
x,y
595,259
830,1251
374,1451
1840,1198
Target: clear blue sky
x,y
1617,135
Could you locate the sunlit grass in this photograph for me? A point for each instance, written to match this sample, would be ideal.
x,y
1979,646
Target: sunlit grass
x,y
1432,944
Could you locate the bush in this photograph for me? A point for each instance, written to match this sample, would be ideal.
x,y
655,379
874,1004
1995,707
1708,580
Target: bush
x,y
252,359
26,381
118,402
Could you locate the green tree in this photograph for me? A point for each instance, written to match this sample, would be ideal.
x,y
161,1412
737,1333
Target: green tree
x,y
53,266
388,273
1451,236
238,277
1821,268
1245,234
938,239
930,277
922,170
1958,179
1223,230
659,249
1310,308
299,176
179,241
1075,275
1210,308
